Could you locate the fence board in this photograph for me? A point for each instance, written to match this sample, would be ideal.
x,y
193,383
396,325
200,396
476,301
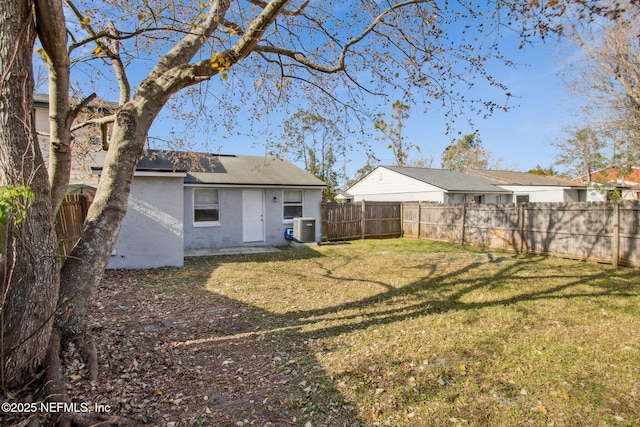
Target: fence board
x,y
439,223
70,220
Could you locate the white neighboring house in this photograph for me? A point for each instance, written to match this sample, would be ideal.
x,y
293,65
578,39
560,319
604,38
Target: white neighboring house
x,y
411,184
528,187
406,184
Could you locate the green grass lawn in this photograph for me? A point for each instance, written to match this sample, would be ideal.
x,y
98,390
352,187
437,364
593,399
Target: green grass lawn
x,y
404,332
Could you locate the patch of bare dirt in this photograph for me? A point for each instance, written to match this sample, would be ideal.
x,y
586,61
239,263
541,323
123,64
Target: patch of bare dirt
x,y
176,361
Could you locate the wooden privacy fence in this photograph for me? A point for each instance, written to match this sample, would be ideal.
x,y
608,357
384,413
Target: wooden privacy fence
x,y
70,220
595,231
361,220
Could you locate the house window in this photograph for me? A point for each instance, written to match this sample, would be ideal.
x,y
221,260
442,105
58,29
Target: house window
x,y
292,204
522,198
477,199
206,206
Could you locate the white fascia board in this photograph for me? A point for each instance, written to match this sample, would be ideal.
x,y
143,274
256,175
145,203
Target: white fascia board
x,y
536,188
98,172
269,186
160,174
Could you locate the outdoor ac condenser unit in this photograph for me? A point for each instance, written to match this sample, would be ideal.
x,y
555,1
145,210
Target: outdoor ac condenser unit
x,y
304,230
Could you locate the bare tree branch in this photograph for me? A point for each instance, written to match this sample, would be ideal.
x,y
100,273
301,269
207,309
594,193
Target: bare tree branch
x,y
81,105
97,121
112,54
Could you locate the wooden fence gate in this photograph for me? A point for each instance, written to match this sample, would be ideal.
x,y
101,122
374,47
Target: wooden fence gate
x,y
362,220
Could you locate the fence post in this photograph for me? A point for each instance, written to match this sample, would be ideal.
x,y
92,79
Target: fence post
x,y
521,226
401,219
418,216
616,234
324,222
464,214
363,219
84,202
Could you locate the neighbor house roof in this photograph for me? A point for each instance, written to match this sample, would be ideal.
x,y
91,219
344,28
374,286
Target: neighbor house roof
x,y
343,194
221,169
612,175
42,100
522,178
449,180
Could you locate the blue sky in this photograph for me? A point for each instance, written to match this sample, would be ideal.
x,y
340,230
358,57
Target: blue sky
x,y
519,138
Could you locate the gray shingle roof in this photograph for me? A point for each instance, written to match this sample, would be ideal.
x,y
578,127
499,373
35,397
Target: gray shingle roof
x,y
205,168
448,180
522,178
42,100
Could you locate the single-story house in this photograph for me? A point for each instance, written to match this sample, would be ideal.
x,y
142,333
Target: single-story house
x,y
182,201
610,183
406,184
528,187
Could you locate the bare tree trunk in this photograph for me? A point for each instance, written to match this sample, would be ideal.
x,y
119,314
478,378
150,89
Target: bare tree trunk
x,y
30,259
52,33
85,265
84,268
82,271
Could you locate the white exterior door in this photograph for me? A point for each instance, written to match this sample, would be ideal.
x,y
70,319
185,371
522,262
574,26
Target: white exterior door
x,y
252,216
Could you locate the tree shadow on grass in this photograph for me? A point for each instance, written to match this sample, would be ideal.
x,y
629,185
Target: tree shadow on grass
x,y
316,396
420,301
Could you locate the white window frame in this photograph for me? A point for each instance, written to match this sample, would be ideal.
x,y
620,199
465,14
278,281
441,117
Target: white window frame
x,y
206,206
286,203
